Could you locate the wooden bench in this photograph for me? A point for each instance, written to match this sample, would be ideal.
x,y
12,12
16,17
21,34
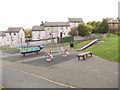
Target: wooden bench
x,y
84,55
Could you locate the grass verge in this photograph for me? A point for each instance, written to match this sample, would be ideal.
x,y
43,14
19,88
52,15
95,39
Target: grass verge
x,y
107,50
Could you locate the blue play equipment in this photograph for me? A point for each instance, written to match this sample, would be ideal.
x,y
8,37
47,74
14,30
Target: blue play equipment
x,y
30,49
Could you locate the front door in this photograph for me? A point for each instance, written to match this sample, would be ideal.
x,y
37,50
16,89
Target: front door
x,y
61,34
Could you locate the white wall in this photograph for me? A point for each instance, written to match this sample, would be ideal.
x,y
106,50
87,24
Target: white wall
x,y
21,36
4,40
8,38
37,35
15,38
1,40
56,31
43,42
73,25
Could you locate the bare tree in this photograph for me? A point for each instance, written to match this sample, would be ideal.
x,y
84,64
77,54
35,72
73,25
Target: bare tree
x,y
73,32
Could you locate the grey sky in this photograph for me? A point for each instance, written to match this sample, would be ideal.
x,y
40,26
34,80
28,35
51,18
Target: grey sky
x,y
26,13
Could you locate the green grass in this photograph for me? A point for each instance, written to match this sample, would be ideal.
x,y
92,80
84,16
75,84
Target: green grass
x,y
107,50
78,46
2,88
8,49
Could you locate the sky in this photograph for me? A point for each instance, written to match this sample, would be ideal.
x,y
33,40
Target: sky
x,y
28,13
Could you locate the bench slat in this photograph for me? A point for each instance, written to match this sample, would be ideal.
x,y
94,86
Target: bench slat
x,y
83,55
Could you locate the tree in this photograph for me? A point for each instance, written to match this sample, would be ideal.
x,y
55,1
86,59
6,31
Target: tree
x,y
104,27
28,33
73,32
89,29
84,30
96,26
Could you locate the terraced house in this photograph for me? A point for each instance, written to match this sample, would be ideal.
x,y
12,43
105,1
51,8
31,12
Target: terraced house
x,y
38,32
15,35
2,38
54,29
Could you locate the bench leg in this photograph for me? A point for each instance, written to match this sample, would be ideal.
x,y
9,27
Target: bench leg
x,y
78,58
91,54
83,57
24,55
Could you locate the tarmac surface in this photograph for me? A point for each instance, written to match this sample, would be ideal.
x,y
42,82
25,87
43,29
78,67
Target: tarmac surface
x,y
56,60
34,71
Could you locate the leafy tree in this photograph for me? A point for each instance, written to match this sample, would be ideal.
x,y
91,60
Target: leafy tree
x,y
89,23
84,30
89,29
104,27
96,26
28,33
73,32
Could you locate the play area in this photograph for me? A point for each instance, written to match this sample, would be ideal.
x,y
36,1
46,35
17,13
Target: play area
x,y
50,54
42,62
60,63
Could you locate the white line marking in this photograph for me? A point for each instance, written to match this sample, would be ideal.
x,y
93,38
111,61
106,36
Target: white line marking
x,y
65,85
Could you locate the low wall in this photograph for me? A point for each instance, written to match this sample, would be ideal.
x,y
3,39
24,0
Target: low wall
x,y
93,36
42,42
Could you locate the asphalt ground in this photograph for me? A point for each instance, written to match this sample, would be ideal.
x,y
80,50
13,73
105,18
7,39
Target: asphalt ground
x,y
56,60
18,56
15,79
94,72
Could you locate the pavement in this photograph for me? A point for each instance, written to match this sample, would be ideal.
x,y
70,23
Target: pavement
x,y
33,71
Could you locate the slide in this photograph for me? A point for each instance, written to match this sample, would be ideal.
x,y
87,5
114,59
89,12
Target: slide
x,y
89,44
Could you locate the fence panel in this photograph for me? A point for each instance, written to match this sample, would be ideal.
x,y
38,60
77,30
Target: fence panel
x,y
66,39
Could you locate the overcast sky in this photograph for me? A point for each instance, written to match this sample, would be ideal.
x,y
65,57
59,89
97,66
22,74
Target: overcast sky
x,y
27,13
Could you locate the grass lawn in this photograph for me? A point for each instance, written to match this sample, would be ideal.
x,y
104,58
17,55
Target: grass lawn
x,y
8,49
107,50
2,88
78,46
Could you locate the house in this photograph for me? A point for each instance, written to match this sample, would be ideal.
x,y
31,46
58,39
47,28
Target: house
x,y
38,32
113,25
56,29
15,35
2,37
74,22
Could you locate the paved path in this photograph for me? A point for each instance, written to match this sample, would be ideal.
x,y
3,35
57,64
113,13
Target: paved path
x,y
94,72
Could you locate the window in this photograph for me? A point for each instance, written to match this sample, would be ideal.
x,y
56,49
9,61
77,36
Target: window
x,y
14,33
48,28
10,33
12,39
66,27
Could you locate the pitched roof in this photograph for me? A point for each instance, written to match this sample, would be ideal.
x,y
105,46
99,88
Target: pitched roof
x,y
75,19
2,33
56,24
13,29
115,21
38,28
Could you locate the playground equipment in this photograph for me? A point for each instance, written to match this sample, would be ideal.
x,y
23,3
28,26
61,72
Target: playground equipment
x,y
89,44
50,50
30,49
65,53
49,57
